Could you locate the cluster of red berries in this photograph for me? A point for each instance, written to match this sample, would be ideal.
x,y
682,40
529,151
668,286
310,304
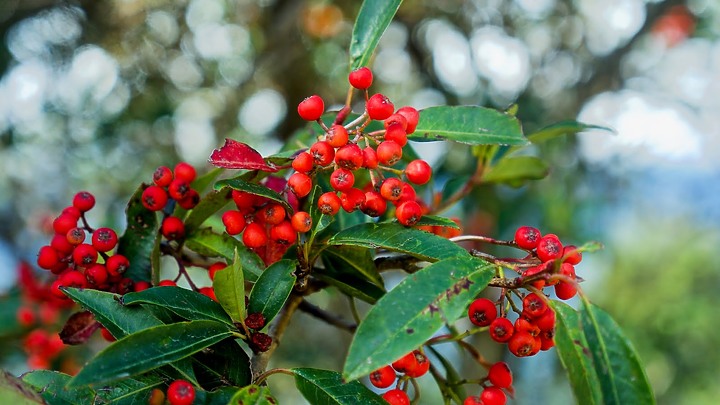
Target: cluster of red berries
x,y
41,348
500,377
412,365
340,150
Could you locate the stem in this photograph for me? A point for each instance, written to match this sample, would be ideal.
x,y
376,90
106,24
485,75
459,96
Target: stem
x,y
262,377
322,125
474,180
353,310
325,316
260,361
357,121
484,239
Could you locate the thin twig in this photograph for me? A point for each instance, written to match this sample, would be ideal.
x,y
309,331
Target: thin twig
x,y
327,317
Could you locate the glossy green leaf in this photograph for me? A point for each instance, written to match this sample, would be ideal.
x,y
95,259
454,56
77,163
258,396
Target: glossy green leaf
x,y
413,311
468,124
339,272
209,204
149,349
575,356
372,20
325,387
229,286
211,244
434,220
138,241
622,377
397,238
253,395
569,127
50,385
224,363
238,183
183,302
272,289
219,396
516,169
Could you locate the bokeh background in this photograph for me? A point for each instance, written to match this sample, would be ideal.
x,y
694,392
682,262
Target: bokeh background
x,y
95,95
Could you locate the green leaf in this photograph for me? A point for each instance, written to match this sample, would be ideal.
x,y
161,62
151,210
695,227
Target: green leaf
x,y
224,363
569,127
138,241
434,220
452,384
516,169
229,286
355,260
352,270
272,289
208,243
149,349
203,182
325,387
253,395
209,204
239,184
51,386
413,311
575,356
468,124
183,302
372,20
622,377
395,237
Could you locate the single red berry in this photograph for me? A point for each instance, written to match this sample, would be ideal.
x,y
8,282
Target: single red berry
x,y
117,265
412,116
342,179
370,159
565,290
500,375
379,107
104,239
527,237
396,119
244,200
408,194
85,255
48,257
173,228
420,366
301,221
329,203
191,199
185,171
167,283
523,325
396,397
546,321
63,223
501,330
473,400
549,248
272,214
234,222
389,153
396,133
107,335
283,233
361,78
97,275
482,312
352,199
180,392
568,269
255,321
303,162
300,184
349,157
534,305
72,211
406,362
208,292
62,244
311,108
391,189
73,278
337,136
141,286
254,235
178,189
214,268
418,172
523,344
162,176
124,286
547,340
408,213
374,205
25,316
383,377
76,236
493,396
84,201
571,255
322,152
154,198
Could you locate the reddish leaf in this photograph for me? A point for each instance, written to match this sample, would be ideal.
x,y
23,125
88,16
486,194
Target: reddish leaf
x,y
237,155
78,328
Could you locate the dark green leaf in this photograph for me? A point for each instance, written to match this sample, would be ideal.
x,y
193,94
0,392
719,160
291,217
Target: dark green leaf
x,y
516,169
51,386
229,286
575,356
183,302
347,280
434,220
325,387
219,396
397,238
272,289
209,204
224,363
622,377
468,124
131,390
138,241
372,20
253,395
149,349
451,385
238,183
413,311
211,244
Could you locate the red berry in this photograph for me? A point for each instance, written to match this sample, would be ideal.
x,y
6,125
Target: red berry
x,y
501,330
48,257
523,325
180,392
534,305
342,179
412,116
337,136
407,194
523,344
244,200
565,290
117,265
72,211
546,321
62,244
167,283
527,237
374,205
391,189
301,221
208,292
349,157
85,255
97,275
406,362
214,268
395,119
73,278
311,108
419,367
178,189
84,201
370,159
408,213
154,198
396,133
383,377
234,222
322,152
300,184
104,239
254,235
352,199
379,107
162,176
191,199
329,203
361,78
26,317
482,312
107,335
283,233
272,214
63,223
396,397
173,228
185,171
493,396
303,162
500,375
549,248
418,172
473,400
571,255
389,153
